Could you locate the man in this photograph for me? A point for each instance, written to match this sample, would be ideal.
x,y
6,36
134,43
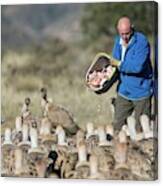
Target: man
x,y
132,51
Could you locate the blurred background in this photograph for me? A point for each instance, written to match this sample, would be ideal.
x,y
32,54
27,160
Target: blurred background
x,y
53,45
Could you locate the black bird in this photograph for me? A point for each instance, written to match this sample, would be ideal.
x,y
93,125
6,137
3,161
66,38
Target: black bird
x,y
51,168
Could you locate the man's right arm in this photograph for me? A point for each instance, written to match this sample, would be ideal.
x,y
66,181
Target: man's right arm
x,y
116,53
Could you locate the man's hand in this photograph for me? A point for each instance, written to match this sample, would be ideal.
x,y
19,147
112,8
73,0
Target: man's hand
x,y
114,62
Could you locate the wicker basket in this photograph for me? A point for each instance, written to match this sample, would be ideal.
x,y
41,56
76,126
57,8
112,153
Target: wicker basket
x,y
100,63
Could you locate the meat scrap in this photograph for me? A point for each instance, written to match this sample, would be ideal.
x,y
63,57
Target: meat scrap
x,y
97,78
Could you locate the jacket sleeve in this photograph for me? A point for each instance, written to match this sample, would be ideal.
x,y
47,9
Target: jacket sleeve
x,y
135,62
116,49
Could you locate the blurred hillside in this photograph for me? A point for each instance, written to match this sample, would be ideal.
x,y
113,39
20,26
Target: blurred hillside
x,y
28,24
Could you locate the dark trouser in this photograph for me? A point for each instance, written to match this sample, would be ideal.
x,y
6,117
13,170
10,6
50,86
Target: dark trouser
x,y
124,108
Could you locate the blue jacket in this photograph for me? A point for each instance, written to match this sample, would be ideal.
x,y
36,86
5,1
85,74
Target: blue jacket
x,y
135,69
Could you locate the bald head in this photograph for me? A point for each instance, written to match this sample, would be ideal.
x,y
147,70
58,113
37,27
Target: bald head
x,y
124,28
124,23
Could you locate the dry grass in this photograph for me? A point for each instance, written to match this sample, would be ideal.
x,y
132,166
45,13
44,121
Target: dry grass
x,y
66,88
64,79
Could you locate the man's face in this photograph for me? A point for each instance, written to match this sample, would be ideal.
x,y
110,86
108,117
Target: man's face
x,y
125,33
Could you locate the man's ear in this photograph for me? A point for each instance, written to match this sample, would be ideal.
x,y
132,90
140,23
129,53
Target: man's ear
x,y
133,28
